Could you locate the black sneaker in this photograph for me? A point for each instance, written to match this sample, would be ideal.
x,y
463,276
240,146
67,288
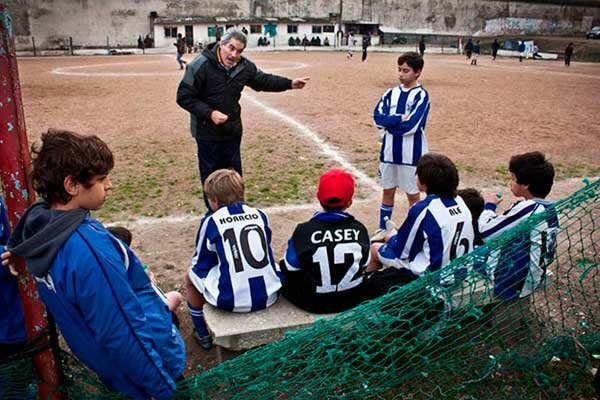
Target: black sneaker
x,y
203,341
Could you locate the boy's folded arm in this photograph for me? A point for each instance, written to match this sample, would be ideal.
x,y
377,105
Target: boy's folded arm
x,y
119,324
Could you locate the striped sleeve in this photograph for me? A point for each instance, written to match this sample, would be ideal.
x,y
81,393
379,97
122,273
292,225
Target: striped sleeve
x,y
381,114
492,225
205,258
416,116
401,245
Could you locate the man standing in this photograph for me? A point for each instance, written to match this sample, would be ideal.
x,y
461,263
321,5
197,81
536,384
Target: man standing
x,y
422,46
365,44
495,47
210,90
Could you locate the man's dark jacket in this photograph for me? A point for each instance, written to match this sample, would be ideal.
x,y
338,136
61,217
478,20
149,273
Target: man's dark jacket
x,y
207,86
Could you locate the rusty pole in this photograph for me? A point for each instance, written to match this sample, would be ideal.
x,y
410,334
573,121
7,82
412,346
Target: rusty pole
x,y
14,168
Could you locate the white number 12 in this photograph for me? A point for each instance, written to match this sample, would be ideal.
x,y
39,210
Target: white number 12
x,y
339,255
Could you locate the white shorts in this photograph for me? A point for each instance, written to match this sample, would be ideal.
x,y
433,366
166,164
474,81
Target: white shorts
x,y
402,176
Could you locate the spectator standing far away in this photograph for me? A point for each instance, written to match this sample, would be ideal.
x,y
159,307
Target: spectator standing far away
x,y
469,49
495,47
569,54
365,44
422,46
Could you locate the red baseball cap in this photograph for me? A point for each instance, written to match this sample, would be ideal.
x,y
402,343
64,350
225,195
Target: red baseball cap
x,y
336,188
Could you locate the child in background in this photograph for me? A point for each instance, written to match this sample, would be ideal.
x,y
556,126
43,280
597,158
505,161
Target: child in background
x,y
233,266
96,288
520,266
474,202
401,114
327,255
171,299
437,229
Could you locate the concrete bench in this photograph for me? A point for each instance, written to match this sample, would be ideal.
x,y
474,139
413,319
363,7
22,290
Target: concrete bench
x,y
243,331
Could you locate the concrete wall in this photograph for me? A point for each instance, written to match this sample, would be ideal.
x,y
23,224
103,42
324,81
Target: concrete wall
x,y
90,22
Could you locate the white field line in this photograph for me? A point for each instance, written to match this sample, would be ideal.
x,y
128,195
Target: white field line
x,y
326,149
72,71
195,218
278,210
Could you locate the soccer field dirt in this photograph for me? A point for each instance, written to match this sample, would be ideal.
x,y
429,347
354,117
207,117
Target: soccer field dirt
x,y
480,116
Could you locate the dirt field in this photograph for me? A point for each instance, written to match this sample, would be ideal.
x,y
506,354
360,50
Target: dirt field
x,y
479,117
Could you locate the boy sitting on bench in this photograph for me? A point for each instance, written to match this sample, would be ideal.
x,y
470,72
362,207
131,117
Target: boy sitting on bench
x,y
520,265
233,267
327,255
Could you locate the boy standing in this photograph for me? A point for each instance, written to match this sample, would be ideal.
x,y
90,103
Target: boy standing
x,y
95,287
437,229
327,255
401,114
233,266
521,263
180,45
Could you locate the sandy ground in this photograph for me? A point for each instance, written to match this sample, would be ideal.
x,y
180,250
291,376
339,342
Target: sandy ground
x,y
479,117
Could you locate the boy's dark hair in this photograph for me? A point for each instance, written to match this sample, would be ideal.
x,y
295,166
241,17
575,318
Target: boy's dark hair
x,y
475,203
120,232
439,174
412,59
534,170
63,154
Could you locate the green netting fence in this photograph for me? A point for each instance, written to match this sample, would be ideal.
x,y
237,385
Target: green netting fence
x,y
426,340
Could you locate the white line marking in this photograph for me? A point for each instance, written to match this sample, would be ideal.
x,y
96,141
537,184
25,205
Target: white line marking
x,y
71,70
195,218
326,149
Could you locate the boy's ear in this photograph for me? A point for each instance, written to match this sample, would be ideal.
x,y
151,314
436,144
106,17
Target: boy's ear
x,y
71,186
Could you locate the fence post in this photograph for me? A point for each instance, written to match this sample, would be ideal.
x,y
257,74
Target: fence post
x,y
14,166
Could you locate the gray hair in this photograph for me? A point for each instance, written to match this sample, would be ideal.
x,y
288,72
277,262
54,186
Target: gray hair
x,y
234,33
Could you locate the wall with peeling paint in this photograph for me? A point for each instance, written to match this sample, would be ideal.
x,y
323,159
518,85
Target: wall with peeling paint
x,y
90,23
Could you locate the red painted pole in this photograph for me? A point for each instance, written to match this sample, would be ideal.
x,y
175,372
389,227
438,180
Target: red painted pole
x,y
14,168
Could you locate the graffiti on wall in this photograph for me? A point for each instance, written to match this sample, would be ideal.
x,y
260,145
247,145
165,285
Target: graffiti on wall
x,y
527,26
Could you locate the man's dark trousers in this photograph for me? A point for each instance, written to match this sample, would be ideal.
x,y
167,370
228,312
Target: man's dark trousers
x,y
214,155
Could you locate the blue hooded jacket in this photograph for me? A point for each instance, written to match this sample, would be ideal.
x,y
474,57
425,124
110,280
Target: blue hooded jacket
x,y
102,301
12,323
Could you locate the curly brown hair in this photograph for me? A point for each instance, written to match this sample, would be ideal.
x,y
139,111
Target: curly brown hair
x,y
62,154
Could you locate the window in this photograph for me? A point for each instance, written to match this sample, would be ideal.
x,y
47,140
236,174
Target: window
x,y
292,28
170,31
316,28
255,29
329,28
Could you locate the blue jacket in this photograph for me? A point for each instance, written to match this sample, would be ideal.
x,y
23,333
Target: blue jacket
x,y
102,301
12,323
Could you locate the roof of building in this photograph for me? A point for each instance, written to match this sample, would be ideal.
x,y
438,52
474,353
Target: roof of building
x,y
171,20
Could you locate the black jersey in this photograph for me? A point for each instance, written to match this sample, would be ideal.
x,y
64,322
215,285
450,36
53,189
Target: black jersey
x,y
325,261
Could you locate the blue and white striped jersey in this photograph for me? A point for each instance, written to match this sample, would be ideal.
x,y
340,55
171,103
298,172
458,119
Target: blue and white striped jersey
x,y
403,142
519,266
436,231
233,266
